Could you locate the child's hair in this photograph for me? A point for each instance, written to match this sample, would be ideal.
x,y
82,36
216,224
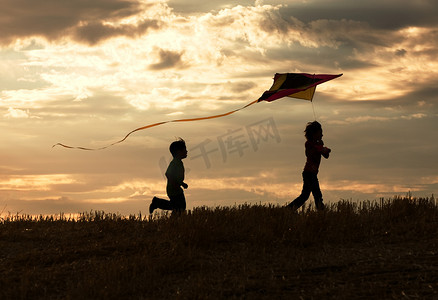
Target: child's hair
x,y
311,129
177,145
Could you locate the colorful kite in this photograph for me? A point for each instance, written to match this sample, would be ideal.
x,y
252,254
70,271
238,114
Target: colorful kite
x,y
294,85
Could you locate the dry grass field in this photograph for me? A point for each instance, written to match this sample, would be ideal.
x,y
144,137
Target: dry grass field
x,y
370,250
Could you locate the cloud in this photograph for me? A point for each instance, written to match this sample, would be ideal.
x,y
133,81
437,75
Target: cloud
x,y
94,32
87,21
16,113
168,59
400,52
388,15
240,87
368,118
34,182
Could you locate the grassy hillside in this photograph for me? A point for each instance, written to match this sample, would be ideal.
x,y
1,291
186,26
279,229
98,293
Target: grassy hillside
x,y
378,250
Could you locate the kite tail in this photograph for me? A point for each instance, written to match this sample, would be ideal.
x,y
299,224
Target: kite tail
x,y
156,124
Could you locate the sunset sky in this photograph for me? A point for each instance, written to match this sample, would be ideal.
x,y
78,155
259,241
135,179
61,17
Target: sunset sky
x,y
86,72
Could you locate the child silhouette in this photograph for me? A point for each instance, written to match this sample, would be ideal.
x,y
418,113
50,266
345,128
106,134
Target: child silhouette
x,y
314,149
175,180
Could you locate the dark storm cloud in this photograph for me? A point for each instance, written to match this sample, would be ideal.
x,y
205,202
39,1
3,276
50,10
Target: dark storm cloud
x,y
422,99
94,32
323,57
400,52
391,14
344,33
388,14
241,87
167,59
83,19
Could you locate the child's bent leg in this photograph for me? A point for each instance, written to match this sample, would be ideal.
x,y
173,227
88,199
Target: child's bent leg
x,y
305,193
161,204
299,201
317,195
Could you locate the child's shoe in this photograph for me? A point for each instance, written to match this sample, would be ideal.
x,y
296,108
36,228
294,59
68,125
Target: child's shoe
x,y
320,205
292,206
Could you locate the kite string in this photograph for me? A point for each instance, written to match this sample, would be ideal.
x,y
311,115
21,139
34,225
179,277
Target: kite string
x,y
314,113
311,100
